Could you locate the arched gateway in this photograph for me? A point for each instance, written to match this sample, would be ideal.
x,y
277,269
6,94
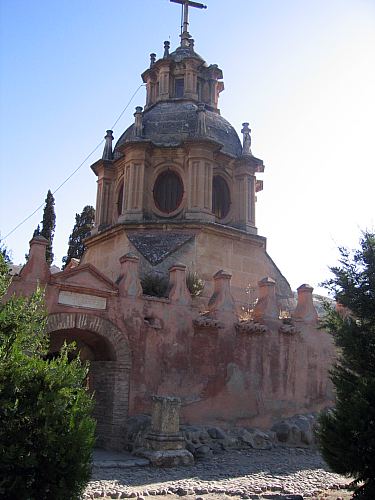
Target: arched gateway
x,y
107,349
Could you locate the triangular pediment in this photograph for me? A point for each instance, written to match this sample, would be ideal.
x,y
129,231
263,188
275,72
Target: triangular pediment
x,y
155,247
85,276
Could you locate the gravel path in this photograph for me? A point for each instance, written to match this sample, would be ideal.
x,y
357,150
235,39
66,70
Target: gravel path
x,y
241,474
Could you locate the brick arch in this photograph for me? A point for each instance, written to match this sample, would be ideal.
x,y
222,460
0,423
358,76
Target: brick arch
x,y
103,327
109,379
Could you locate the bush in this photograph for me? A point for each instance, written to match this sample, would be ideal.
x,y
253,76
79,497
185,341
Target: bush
x,y
46,432
156,285
347,433
194,283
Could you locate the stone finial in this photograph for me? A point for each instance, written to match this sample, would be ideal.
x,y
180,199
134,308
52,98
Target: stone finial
x,y
179,293
305,310
222,299
191,44
266,307
36,268
130,285
201,122
246,148
152,59
167,46
107,152
138,126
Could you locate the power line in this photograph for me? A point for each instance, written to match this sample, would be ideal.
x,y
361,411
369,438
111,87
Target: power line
x,y
76,170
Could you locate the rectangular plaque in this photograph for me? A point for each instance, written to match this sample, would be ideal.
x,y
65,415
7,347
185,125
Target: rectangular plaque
x,y
82,300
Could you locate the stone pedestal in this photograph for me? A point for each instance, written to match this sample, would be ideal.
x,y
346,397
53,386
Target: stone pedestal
x,y
165,443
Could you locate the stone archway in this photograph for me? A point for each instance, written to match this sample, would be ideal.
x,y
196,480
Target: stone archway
x,y
108,350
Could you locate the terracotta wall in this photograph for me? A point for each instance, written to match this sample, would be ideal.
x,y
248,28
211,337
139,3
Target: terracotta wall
x,y
225,370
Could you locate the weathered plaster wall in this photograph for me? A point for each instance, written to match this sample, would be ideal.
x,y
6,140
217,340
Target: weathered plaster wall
x,y
211,248
224,371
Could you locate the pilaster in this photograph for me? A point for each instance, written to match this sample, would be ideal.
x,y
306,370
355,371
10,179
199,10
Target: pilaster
x,y
199,188
134,182
104,199
245,189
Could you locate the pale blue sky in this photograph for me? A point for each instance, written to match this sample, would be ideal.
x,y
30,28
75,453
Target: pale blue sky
x,y
301,72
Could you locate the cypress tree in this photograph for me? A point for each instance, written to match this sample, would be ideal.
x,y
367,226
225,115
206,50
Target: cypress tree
x,y
347,432
81,230
48,226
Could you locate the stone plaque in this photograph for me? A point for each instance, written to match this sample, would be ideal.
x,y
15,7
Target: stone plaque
x,y
82,300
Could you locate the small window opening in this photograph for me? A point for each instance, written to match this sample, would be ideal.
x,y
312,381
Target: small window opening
x,y
220,197
179,87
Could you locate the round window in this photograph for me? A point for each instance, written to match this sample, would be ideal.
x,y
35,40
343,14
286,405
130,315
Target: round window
x,y
168,191
220,197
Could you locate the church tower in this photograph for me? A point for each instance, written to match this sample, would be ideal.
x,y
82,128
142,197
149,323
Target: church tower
x,y
179,185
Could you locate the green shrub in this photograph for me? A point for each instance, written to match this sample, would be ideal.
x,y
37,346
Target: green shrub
x,y
194,283
46,431
154,284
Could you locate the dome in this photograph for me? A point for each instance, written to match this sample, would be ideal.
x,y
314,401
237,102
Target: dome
x,y
170,123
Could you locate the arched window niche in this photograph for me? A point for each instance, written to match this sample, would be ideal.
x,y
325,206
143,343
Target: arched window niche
x,y
220,197
168,191
120,199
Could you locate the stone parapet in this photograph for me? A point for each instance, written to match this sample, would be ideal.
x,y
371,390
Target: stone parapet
x,y
130,284
305,310
266,307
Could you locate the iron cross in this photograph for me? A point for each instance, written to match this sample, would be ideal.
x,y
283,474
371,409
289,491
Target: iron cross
x,y
186,4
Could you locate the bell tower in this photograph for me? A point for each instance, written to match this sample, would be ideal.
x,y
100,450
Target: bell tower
x,y
179,169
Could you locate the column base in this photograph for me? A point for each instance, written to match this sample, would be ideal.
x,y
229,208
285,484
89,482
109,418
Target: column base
x,y
167,458
162,442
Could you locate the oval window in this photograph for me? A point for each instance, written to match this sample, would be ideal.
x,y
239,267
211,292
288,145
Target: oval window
x,y
168,191
220,197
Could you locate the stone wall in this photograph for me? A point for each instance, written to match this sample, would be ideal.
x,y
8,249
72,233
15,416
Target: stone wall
x,y
227,371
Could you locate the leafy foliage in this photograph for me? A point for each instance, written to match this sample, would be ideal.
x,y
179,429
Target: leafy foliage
x,y
347,433
5,253
81,230
46,432
194,283
155,284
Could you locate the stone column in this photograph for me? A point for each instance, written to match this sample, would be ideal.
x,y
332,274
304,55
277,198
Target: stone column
x,y
245,199
266,307
165,443
246,186
305,310
134,183
164,84
200,165
104,205
190,81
